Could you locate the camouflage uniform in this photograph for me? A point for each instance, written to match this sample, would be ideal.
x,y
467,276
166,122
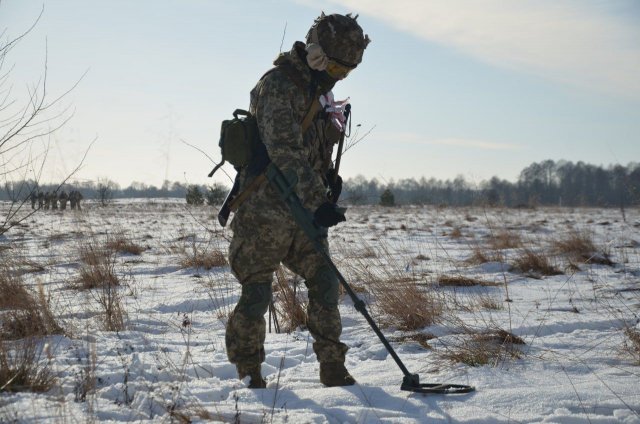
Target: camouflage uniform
x,y
265,234
63,200
40,200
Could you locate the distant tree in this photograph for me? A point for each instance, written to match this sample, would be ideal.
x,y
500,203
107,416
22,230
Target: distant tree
x,y
216,194
104,191
387,198
194,195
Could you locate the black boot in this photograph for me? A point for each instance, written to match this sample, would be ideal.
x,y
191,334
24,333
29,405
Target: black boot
x,y
335,374
253,371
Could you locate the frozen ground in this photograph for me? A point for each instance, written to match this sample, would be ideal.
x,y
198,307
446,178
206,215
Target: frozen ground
x,y
169,364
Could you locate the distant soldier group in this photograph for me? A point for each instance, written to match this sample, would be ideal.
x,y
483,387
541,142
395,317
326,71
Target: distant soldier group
x,y
54,201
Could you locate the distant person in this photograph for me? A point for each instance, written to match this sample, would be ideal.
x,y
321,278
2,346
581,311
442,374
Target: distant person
x,y
63,200
79,198
47,200
54,201
40,199
33,197
72,199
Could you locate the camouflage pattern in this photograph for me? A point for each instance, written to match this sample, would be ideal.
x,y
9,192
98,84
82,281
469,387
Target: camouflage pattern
x,y
265,234
54,201
40,200
63,200
47,201
33,197
340,36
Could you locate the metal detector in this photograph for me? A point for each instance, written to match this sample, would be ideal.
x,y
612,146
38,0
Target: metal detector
x,y
304,218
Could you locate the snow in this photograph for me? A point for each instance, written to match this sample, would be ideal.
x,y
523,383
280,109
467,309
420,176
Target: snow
x,y
169,364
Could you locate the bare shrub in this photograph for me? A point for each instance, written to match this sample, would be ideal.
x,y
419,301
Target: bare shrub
x,y
290,304
535,264
579,246
463,281
23,368
110,300
492,347
486,301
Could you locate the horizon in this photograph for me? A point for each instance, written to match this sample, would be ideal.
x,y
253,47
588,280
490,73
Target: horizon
x,y
468,89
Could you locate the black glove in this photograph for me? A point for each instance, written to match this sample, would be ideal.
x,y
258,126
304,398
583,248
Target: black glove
x,y
328,215
335,188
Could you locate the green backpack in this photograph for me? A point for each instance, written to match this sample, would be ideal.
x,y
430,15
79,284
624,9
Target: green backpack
x,y
239,139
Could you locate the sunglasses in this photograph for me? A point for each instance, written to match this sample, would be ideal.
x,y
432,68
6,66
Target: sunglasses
x,y
338,69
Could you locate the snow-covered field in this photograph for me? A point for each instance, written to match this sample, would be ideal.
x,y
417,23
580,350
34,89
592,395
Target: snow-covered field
x,y
169,362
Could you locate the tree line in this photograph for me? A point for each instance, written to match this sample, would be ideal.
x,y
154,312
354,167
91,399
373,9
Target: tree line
x,y
546,183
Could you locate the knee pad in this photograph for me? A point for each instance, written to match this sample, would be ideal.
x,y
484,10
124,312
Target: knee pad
x,y
254,300
323,287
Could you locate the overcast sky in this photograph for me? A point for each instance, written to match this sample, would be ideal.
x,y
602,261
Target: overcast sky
x,y
474,88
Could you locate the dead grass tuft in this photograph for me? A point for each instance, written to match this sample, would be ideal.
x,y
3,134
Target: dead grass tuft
x,y
203,258
580,247
535,264
631,345
122,244
290,305
420,338
24,313
492,347
462,281
23,368
404,304
480,256
505,240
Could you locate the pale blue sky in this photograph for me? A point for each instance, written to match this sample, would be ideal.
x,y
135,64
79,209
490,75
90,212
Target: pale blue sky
x,y
474,88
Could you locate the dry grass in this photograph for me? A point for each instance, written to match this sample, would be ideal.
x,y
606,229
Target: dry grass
x,y
290,304
405,304
492,347
535,264
196,257
99,268
486,301
122,244
23,368
505,239
631,345
579,246
481,255
463,281
24,313
420,338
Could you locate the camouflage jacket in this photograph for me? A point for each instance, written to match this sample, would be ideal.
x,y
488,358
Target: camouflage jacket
x,y
280,101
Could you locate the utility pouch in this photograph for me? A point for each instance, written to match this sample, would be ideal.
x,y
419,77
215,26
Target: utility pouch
x,y
239,140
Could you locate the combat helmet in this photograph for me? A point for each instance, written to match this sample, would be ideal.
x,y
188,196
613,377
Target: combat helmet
x,y
336,43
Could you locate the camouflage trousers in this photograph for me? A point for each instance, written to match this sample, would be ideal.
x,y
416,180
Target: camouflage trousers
x,y
255,253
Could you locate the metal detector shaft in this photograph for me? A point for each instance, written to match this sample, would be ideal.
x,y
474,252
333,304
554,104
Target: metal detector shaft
x,y
304,219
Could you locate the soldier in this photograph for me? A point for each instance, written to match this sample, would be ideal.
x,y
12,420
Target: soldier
x,y
72,199
264,232
40,199
63,200
79,197
54,201
47,200
33,198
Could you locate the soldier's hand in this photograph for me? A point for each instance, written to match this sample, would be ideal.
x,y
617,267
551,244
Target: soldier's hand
x,y
335,185
328,215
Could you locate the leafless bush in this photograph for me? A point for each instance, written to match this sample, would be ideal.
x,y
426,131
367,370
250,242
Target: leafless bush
x,y
492,347
535,264
23,368
109,298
